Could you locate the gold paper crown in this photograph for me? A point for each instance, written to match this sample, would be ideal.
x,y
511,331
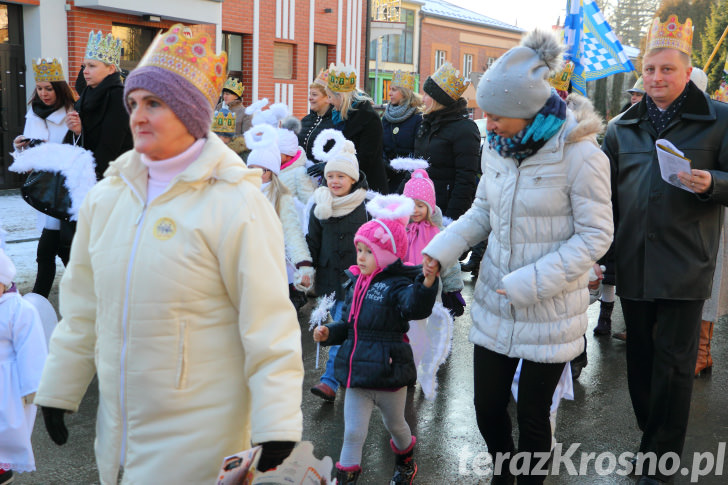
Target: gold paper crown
x,y
235,86
560,80
404,79
48,70
191,56
342,79
450,81
224,122
322,78
105,49
671,34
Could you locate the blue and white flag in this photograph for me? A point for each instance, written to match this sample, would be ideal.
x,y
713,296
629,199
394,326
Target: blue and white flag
x,y
591,45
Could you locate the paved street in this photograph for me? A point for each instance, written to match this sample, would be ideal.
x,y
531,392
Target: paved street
x,y
600,417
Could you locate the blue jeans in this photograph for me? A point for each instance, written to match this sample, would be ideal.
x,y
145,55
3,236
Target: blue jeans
x,y
328,376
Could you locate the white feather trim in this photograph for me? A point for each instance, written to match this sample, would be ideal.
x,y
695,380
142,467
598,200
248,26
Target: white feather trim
x,y
320,314
408,164
322,139
392,206
257,106
340,68
74,163
260,136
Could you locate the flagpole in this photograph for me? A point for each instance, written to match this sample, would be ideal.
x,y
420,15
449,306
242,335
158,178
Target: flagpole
x,y
715,50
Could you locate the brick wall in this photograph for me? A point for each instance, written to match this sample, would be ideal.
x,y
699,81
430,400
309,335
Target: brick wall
x,y
83,20
237,17
482,43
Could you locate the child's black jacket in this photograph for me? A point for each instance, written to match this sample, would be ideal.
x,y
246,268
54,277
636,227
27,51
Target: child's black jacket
x,y
374,354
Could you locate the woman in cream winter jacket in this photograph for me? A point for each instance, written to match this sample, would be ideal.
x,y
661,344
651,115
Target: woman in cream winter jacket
x,y
162,298
544,204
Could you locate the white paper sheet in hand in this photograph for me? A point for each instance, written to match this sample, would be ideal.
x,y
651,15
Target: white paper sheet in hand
x,y
672,163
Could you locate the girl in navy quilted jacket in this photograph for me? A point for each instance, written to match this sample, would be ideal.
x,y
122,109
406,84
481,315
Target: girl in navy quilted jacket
x,y
375,362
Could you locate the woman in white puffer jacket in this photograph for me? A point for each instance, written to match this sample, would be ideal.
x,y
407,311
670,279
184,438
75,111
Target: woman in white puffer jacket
x,y
544,205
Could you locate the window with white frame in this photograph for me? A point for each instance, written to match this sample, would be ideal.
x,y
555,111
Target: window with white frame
x,y
439,59
467,65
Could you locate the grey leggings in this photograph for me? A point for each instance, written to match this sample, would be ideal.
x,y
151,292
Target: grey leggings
x,y
358,405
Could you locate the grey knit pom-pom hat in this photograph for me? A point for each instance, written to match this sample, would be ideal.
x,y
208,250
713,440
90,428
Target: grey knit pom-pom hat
x,y
516,85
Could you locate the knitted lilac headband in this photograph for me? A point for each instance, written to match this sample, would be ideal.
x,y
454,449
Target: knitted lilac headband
x,y
184,99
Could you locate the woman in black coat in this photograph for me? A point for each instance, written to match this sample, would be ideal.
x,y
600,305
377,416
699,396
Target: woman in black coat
x,y
100,122
400,122
450,141
355,117
318,119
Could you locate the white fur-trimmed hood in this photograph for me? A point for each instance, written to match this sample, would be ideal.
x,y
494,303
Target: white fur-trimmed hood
x,y
76,164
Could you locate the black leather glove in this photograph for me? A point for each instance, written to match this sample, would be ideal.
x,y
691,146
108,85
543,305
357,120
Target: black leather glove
x,y
454,302
53,419
316,170
273,454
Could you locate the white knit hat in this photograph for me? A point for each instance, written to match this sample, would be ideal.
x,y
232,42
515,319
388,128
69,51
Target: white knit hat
x,y
262,140
287,142
341,157
7,270
517,84
699,78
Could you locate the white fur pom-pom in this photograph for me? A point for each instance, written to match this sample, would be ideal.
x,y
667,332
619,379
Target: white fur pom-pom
x,y
260,136
322,139
257,106
392,206
548,47
446,221
408,164
279,111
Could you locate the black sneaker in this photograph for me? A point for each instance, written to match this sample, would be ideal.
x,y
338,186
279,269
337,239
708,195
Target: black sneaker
x,y
7,477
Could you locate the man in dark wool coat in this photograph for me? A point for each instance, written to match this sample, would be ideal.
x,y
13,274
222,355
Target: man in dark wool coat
x,y
666,237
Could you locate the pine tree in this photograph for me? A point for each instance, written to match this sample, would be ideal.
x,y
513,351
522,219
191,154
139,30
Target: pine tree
x,y
630,19
714,27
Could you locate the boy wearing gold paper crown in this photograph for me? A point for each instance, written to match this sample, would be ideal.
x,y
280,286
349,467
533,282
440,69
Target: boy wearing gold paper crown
x,y
232,97
666,238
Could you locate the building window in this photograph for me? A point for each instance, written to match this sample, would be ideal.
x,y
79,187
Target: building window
x,y
320,56
134,42
282,60
233,45
397,47
467,65
491,60
439,59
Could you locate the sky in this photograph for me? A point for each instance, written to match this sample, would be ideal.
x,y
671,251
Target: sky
x,y
527,14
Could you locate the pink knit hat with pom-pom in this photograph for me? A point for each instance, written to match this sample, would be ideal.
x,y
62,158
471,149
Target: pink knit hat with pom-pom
x,y
420,187
386,235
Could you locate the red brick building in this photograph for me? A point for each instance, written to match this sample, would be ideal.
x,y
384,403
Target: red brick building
x,y
471,42
279,50
275,46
